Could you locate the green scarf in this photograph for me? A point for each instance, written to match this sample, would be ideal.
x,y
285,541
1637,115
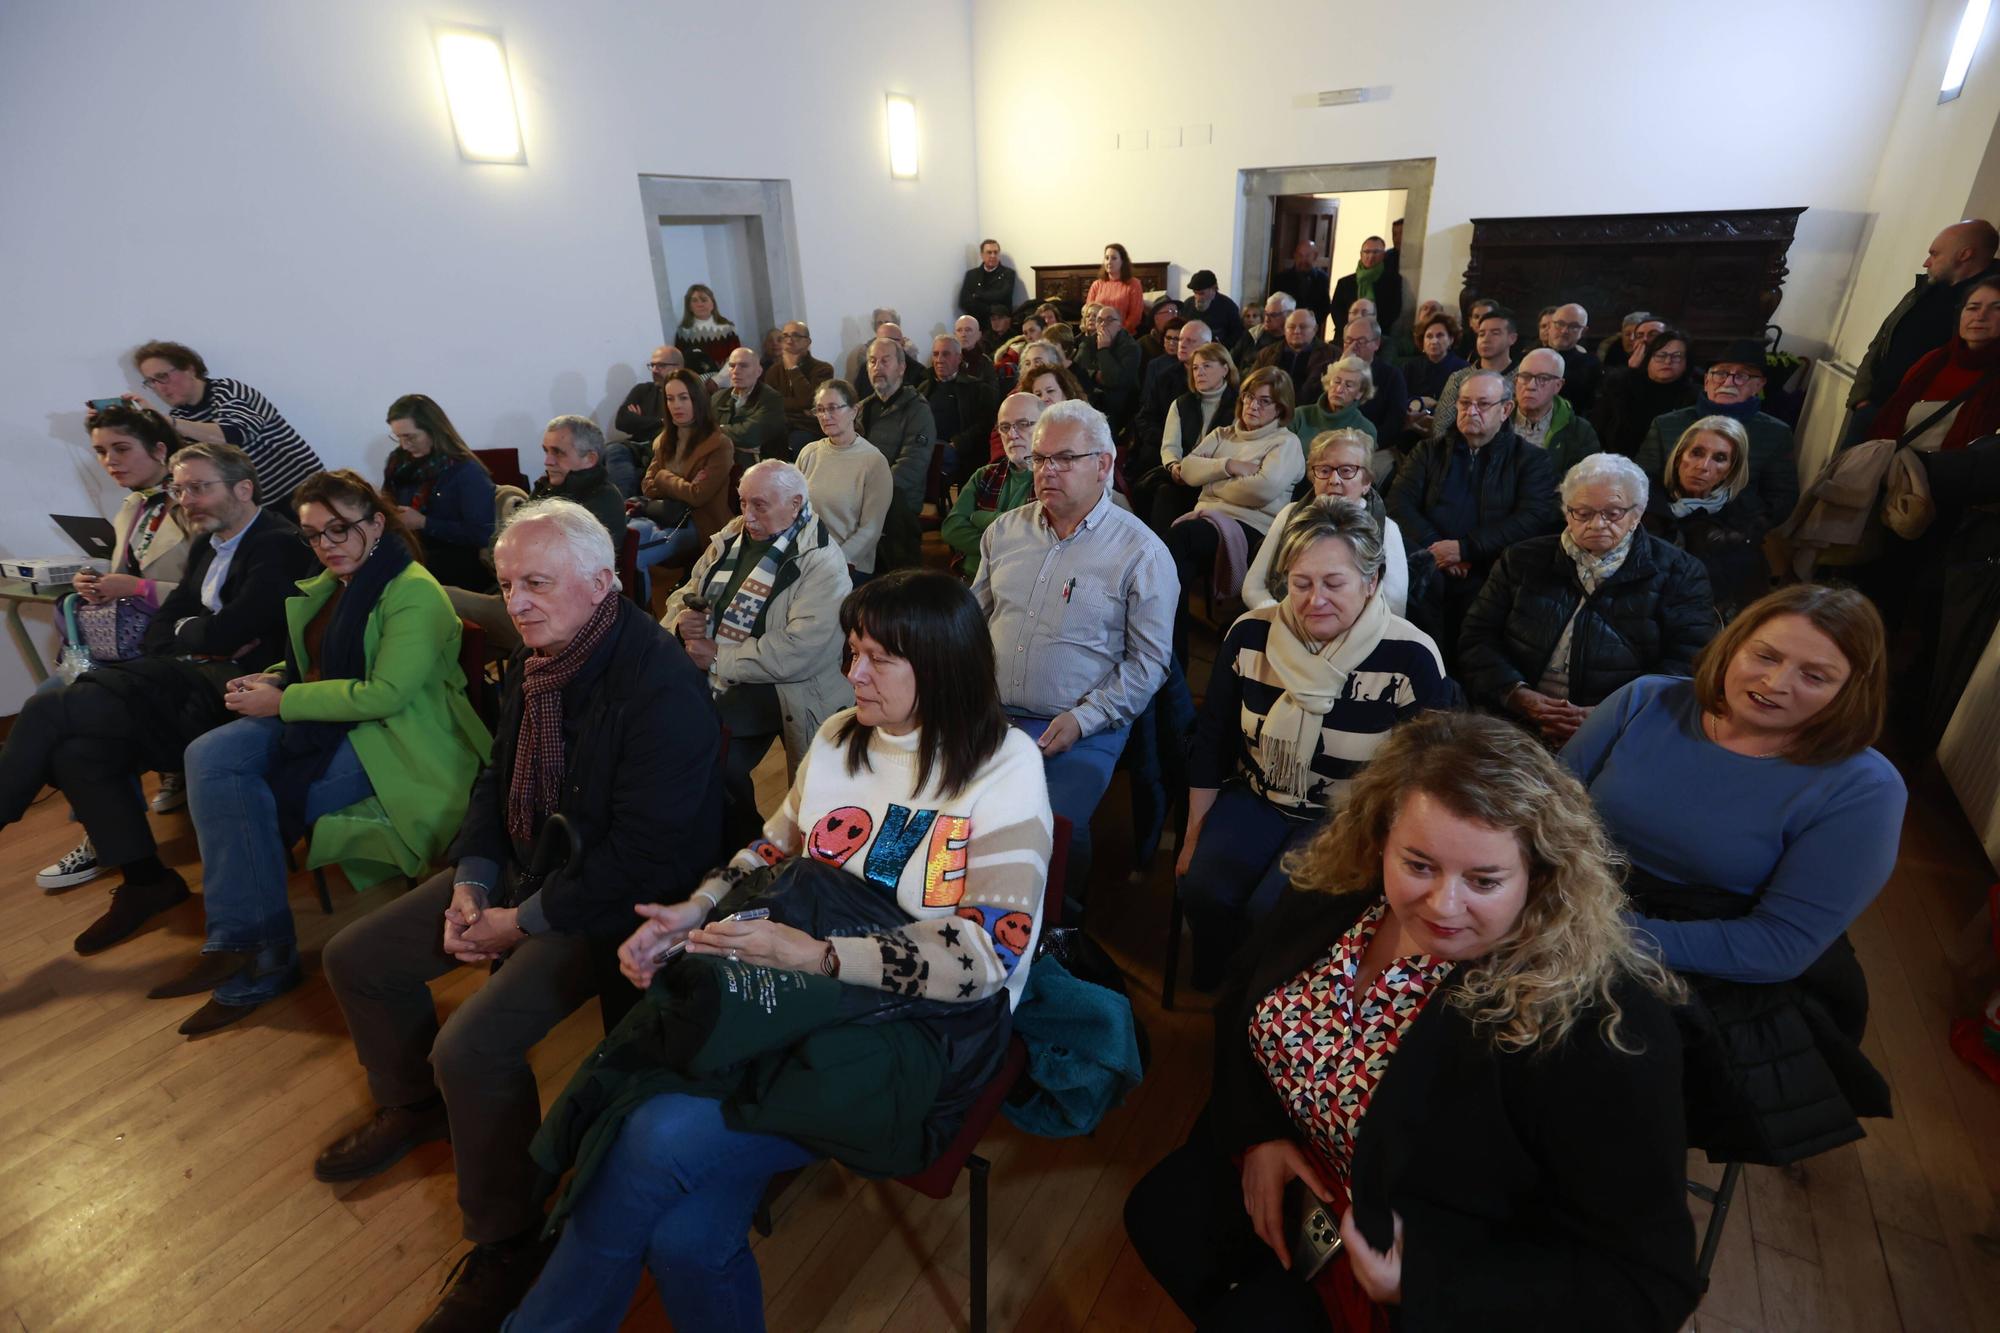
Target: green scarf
x,y
1365,280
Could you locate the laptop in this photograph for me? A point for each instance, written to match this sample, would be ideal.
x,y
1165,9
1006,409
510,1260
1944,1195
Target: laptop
x,y
93,535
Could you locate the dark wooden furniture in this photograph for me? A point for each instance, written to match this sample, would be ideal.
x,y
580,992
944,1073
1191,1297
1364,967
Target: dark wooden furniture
x,y
1066,284
1718,275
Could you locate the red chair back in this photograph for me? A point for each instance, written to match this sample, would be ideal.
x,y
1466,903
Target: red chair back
x,y
628,567
504,465
472,661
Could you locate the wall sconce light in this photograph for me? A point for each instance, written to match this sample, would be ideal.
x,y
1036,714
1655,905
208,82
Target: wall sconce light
x,y
481,95
902,138
1970,24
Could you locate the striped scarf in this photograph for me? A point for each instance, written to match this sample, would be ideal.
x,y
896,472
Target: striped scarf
x,y
738,620
539,760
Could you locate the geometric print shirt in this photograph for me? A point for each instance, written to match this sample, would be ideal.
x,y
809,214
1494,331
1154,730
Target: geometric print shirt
x,y
1325,1050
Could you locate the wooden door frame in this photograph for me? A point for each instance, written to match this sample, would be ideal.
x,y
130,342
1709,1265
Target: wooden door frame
x,y
1258,187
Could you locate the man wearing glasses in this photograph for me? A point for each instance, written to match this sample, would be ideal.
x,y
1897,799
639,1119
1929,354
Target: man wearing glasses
x,y
94,738
1079,596
642,414
1734,387
1581,368
1465,496
1544,418
796,376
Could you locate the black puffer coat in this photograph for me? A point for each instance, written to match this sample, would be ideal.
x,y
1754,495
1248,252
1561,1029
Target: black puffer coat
x,y
1651,617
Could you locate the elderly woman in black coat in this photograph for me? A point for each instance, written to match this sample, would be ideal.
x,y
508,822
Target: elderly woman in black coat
x,y
1706,502
1565,620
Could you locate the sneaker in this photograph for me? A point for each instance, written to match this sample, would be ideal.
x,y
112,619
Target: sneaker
x,y
172,794
79,867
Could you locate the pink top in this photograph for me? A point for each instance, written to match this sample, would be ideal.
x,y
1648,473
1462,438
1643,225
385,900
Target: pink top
x,y
1128,297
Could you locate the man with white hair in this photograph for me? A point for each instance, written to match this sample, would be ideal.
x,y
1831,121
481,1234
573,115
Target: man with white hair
x,y
961,409
1582,371
1079,596
881,318
1544,418
1277,308
997,487
749,413
604,722
760,613
1295,353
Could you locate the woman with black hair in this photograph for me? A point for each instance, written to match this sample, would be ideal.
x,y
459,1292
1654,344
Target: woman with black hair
x,y
1627,405
443,494
705,336
361,735
923,793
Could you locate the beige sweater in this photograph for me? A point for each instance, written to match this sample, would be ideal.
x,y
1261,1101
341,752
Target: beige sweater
x,y
1257,498
850,487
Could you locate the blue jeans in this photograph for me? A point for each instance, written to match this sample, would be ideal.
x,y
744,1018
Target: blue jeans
x,y
1236,874
676,1192
1077,778
242,860
659,546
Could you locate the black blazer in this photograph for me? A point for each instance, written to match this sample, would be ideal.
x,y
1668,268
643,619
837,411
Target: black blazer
x,y
1543,1190
268,564
641,789
1516,495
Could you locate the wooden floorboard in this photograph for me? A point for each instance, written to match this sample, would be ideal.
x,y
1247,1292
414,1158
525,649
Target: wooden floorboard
x,y
151,1182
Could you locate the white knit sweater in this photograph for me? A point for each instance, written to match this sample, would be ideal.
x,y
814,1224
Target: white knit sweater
x,y
1254,499
850,487
969,867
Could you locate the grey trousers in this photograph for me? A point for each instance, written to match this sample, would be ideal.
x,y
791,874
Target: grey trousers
x,y
378,968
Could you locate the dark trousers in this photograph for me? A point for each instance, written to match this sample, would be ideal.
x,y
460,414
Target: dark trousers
x,y
379,968
1236,875
743,823
81,738
1188,1226
1193,545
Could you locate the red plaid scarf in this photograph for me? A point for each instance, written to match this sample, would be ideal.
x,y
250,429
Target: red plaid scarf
x,y
538,746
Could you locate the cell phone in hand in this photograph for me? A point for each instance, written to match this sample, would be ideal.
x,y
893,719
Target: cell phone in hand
x,y
679,946
1311,1232
101,404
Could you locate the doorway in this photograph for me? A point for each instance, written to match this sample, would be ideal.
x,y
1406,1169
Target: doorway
x,y
1351,200
738,237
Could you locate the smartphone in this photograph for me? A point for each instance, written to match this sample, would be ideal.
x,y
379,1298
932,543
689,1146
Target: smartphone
x,y
675,949
1312,1233
100,404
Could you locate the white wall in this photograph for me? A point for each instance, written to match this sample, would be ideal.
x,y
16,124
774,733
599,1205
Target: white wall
x,y
1363,213
716,253
1929,170
277,185
1778,103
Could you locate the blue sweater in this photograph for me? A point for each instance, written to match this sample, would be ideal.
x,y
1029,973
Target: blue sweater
x,y
459,509
1812,844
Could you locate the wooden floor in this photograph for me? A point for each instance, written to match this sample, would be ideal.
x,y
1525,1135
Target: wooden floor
x,y
149,1182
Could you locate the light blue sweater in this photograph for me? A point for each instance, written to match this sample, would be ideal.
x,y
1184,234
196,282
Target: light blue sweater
x,y
1812,844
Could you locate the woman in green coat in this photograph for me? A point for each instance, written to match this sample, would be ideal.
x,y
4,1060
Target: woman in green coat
x,y
363,735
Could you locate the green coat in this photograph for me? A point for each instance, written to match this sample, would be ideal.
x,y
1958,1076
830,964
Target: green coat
x,y
1570,438
414,729
966,524
1314,419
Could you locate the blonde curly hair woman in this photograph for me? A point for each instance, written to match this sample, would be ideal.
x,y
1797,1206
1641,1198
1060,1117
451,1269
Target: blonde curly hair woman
x,y
1511,1155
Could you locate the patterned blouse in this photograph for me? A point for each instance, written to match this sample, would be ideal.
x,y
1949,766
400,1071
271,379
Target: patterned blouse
x,y
1324,1054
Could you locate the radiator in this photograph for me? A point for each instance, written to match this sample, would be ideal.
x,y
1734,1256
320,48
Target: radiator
x,y
1970,750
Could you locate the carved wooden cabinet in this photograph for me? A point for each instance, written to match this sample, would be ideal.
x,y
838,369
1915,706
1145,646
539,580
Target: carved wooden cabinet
x,y
1066,284
1719,275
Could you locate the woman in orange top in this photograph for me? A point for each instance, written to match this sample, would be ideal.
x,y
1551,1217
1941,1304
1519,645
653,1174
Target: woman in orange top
x,y
687,485
1119,288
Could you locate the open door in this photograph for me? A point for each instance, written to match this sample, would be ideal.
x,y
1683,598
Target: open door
x,y
1301,217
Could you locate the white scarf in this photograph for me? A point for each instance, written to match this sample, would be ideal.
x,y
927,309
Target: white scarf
x,y
1314,678
1592,569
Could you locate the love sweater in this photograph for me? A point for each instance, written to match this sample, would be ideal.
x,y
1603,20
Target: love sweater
x,y
969,867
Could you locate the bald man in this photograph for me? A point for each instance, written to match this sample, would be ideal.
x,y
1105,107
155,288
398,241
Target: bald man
x,y
795,376
1163,380
640,416
1927,315
996,487
1581,369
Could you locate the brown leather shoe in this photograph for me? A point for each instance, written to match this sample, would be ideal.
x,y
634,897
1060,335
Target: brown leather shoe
x,y
486,1284
381,1143
132,906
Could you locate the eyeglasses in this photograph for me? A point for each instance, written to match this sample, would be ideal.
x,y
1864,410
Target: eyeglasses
x,y
1538,381
1733,376
1016,427
1585,517
661,365
1062,462
1345,471
1260,400
156,381
1482,405
831,409
1565,324
178,491
793,337
333,534
1671,358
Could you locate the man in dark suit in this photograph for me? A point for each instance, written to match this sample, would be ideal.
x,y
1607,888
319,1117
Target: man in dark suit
x,y
226,618
961,406
991,284
1305,281
1385,284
